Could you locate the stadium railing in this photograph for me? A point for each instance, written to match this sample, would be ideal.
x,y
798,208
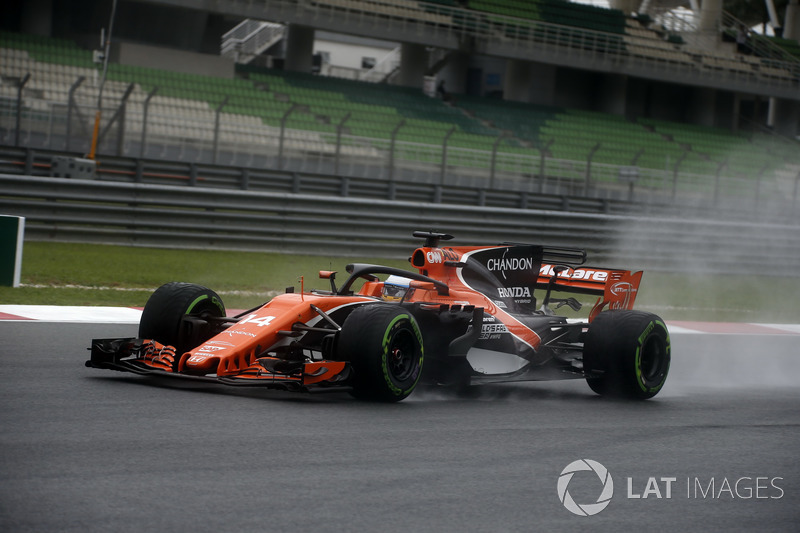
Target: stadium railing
x,y
507,36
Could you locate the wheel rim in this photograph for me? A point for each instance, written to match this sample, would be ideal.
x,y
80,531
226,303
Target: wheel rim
x,y
402,354
652,361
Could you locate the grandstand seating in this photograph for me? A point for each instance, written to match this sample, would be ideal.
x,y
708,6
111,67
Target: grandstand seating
x,y
263,98
646,42
618,31
402,9
573,134
790,45
556,12
630,34
372,111
715,146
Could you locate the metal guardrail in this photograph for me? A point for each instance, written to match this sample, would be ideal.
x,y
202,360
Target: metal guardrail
x,y
127,170
758,205
195,217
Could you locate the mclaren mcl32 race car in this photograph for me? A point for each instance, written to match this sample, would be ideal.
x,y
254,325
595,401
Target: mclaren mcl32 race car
x,y
465,315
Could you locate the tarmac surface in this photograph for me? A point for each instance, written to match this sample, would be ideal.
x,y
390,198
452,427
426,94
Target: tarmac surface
x,y
92,450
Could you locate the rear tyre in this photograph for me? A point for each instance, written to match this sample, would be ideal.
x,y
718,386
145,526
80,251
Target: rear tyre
x,y
627,353
383,343
162,317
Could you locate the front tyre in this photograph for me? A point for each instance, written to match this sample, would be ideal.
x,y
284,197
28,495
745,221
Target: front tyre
x,y
627,353
383,343
163,315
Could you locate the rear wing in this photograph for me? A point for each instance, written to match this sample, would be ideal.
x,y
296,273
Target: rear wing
x,y
616,289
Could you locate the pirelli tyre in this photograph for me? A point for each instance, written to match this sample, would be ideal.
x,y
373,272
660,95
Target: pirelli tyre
x,y
163,315
384,346
627,353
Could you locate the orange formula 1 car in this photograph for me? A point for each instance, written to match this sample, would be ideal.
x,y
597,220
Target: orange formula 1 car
x,y
467,315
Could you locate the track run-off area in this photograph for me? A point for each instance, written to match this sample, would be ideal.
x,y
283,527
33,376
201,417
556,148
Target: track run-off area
x,y
92,450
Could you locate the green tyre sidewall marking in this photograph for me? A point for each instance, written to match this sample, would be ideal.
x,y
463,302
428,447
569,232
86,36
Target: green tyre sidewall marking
x,y
199,299
397,391
638,356
195,302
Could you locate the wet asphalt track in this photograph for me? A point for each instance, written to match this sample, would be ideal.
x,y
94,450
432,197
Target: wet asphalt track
x,y
91,450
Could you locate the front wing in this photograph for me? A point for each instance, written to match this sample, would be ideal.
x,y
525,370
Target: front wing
x,y
148,357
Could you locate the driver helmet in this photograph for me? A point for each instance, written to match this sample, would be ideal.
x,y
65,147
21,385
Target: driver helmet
x,y
396,288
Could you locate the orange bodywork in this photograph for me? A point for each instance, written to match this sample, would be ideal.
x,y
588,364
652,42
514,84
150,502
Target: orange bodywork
x,y
616,289
236,350
244,350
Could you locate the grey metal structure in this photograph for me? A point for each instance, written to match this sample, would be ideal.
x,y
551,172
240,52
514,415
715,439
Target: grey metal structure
x,y
454,28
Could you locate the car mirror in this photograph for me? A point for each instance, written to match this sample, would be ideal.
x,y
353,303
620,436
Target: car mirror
x,y
424,285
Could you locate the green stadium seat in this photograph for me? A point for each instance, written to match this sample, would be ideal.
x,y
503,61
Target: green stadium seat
x,y
374,111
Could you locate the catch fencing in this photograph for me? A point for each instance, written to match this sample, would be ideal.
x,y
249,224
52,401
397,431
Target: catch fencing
x,y
214,137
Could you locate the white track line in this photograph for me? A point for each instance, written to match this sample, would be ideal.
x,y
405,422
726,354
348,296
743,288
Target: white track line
x,y
53,313
131,315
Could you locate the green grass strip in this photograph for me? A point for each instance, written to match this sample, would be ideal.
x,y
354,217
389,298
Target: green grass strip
x,y
94,274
